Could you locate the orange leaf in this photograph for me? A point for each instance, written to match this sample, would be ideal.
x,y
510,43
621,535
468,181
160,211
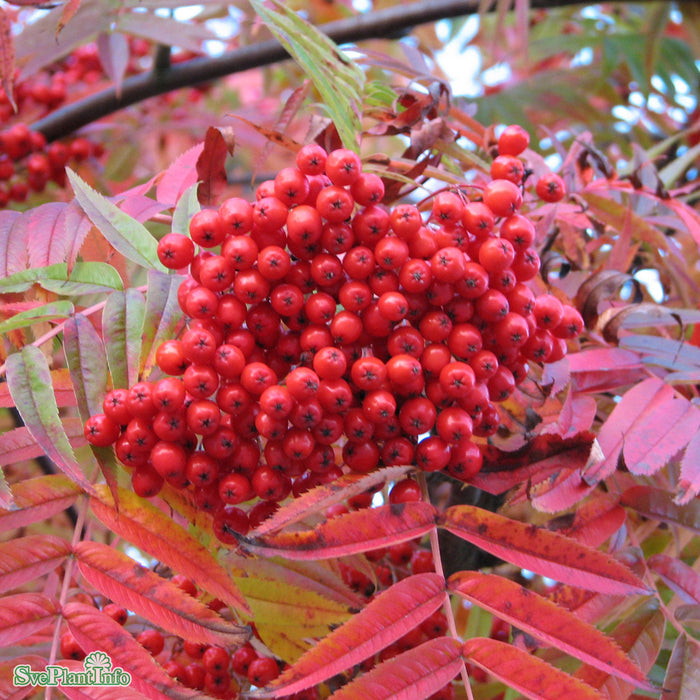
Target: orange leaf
x,y
413,675
24,614
389,616
26,558
546,553
682,681
321,497
678,576
527,674
142,524
658,505
358,531
136,588
95,631
544,620
37,499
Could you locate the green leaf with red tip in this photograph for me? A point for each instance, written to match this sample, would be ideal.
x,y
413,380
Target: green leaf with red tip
x,y
24,614
62,390
678,576
38,499
124,233
29,381
142,524
544,552
24,559
659,505
386,618
358,531
321,497
91,277
122,324
414,675
525,673
95,631
43,312
136,588
546,621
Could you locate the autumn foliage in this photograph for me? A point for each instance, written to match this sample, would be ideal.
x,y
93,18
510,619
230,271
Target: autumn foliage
x,y
414,415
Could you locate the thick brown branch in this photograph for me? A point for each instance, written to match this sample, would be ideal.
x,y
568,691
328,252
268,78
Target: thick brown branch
x,y
377,24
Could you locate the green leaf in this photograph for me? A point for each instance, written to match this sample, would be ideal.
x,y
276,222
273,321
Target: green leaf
x,y
337,78
29,381
54,310
126,235
122,325
163,315
87,363
84,278
187,206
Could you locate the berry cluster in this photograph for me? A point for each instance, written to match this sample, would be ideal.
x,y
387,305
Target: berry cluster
x,y
27,164
217,670
324,330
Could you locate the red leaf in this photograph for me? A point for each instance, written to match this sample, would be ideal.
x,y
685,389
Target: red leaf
x,y
13,243
659,505
689,480
113,49
95,692
546,621
682,681
537,460
211,164
179,175
8,690
62,390
95,631
26,558
142,524
678,576
413,675
358,531
593,522
55,232
321,497
546,553
527,674
389,616
24,614
130,585
604,369
17,445
648,427
37,499
641,634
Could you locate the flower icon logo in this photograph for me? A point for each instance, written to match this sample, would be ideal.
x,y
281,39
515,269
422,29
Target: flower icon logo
x,y
98,660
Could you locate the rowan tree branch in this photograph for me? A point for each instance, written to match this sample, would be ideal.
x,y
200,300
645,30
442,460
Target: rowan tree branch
x,y
373,25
